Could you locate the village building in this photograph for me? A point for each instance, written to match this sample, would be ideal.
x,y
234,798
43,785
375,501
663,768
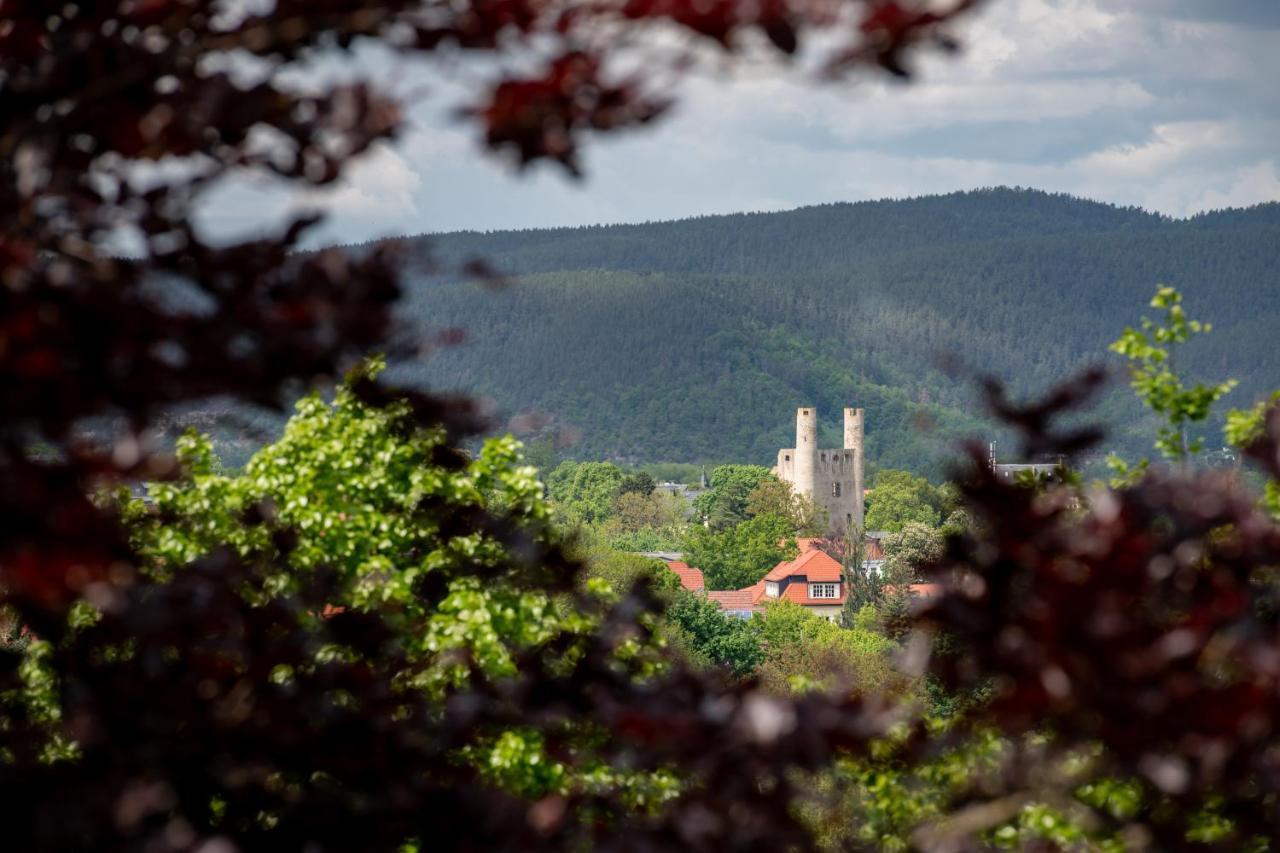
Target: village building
x,y
813,580
831,478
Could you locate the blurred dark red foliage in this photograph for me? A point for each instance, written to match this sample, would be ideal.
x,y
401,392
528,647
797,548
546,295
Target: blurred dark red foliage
x,y
187,742
1143,620
539,118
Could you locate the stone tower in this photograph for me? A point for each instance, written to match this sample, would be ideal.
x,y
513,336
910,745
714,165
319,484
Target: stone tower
x,y
832,479
806,451
853,420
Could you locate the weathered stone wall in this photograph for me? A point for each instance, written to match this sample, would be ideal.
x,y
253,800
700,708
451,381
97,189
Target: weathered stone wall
x,y
831,478
835,490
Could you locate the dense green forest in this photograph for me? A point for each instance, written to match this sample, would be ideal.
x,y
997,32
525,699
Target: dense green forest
x,y
695,340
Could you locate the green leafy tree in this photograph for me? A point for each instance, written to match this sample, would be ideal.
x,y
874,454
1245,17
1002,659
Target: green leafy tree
x,y
585,491
1151,351
712,635
347,478
957,522
621,571
905,553
635,511
639,482
806,652
741,555
724,503
648,522
862,587
899,498
346,481
1245,426
774,497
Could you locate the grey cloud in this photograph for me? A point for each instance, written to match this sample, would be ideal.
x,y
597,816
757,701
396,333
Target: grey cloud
x,y
1167,104
1253,13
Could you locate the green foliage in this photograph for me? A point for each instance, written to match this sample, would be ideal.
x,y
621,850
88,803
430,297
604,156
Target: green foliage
x,y
674,472
585,491
714,636
899,498
36,698
774,497
1244,426
741,555
639,482
906,551
724,503
621,570
862,587
1124,473
1151,352
806,652
878,802
653,521
894,612
956,523
347,479
866,619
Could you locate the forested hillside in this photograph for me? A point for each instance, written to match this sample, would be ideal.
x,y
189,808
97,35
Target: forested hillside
x,y
695,340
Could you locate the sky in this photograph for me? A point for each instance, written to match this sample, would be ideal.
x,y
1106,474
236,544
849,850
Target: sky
x,y
1169,105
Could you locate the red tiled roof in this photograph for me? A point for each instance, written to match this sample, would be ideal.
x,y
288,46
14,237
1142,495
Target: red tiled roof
x,y
873,550
690,578
817,566
812,565
738,599
754,597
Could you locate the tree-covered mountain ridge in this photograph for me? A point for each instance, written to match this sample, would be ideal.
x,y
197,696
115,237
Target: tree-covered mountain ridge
x,y
696,339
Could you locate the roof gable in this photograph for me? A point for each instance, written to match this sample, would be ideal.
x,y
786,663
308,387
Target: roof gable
x,y
690,577
815,565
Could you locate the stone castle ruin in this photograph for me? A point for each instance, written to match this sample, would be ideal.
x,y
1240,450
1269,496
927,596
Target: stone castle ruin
x,y
832,479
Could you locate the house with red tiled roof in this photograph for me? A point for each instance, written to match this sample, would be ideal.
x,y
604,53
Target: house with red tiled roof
x,y
690,578
813,580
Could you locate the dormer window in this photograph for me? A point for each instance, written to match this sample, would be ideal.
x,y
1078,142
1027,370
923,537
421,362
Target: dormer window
x,y
771,589
824,590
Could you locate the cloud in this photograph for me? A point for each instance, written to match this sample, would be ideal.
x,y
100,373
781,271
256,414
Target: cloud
x,y
1253,13
1169,146
378,196
1254,184
1166,104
